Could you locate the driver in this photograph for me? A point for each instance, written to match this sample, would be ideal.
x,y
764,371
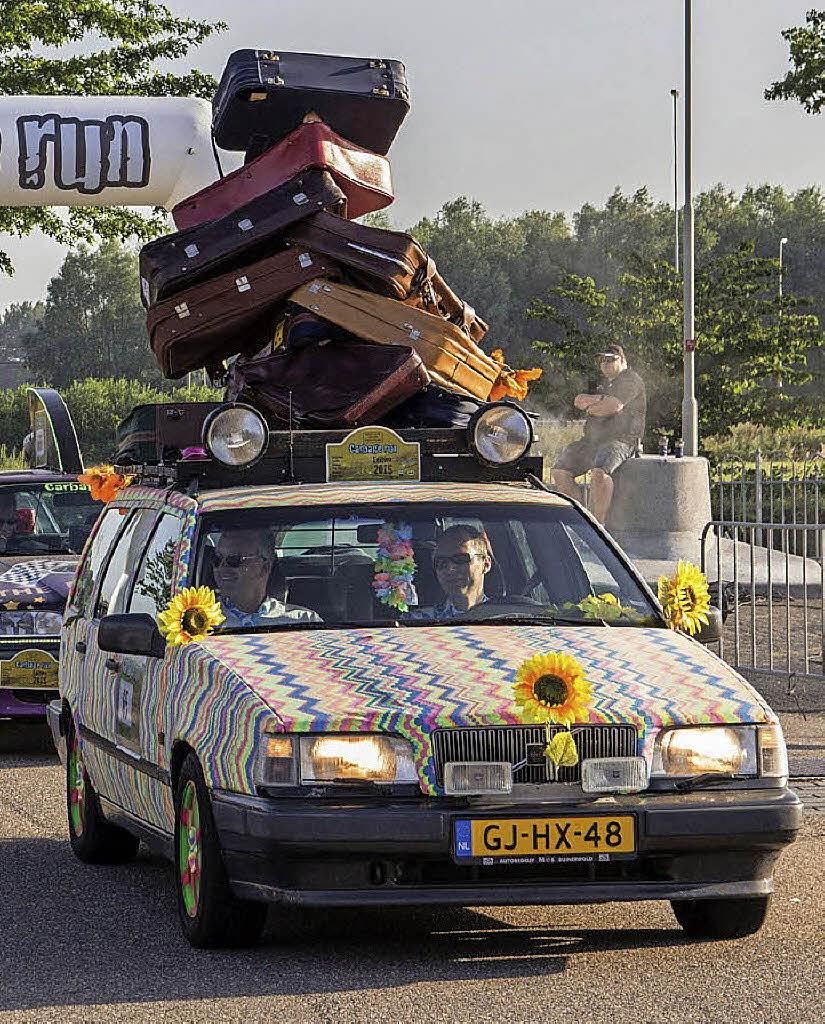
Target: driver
x,y
244,561
461,561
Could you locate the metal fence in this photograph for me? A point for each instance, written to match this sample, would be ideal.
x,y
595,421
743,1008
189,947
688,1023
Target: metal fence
x,y
772,596
778,489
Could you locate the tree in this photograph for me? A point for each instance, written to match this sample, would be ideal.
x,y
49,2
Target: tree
x,y
140,33
751,345
94,319
805,81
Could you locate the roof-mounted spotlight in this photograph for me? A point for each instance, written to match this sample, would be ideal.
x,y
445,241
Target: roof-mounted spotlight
x,y
235,435
500,434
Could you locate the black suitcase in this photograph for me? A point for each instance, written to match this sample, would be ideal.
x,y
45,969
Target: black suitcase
x,y
177,261
433,406
158,433
264,94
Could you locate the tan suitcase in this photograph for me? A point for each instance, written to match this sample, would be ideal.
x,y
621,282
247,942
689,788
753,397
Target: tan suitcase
x,y
453,360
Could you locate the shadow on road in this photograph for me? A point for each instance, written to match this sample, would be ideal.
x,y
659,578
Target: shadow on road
x,y
82,935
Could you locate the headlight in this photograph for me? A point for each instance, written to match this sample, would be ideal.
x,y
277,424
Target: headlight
x,y
500,433
706,749
367,758
235,435
47,623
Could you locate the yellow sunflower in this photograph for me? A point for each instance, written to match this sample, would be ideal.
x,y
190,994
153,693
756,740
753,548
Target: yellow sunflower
x,y
552,688
191,615
685,598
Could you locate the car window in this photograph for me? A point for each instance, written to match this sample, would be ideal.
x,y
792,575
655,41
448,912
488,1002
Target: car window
x,y
114,587
43,517
286,568
95,558
153,583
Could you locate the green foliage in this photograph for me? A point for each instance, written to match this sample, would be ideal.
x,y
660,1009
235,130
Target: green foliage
x,y
129,37
805,81
94,319
744,439
748,339
96,407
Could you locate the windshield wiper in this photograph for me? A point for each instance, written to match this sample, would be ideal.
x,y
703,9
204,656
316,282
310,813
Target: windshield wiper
x,y
541,619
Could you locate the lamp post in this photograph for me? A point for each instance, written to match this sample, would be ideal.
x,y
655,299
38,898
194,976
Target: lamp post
x,y
782,243
690,411
675,94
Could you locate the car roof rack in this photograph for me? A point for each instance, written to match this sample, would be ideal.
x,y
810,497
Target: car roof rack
x,y
300,456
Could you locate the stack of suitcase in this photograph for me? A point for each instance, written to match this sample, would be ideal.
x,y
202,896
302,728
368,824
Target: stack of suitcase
x,y
326,322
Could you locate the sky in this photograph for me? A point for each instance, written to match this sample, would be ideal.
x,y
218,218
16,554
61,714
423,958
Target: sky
x,y
537,105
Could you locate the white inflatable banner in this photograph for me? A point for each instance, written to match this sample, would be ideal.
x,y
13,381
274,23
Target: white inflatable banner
x,y
104,150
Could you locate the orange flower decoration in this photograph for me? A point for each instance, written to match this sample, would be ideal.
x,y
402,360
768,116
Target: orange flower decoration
x,y
511,383
103,482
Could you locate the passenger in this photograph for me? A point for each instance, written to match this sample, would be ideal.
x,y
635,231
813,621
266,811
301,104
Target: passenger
x,y
461,561
244,566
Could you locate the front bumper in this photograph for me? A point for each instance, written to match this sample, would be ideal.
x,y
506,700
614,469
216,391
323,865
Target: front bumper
x,y
399,852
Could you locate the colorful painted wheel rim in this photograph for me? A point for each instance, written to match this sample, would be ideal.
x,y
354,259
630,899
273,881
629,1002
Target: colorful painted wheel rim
x,y
189,849
77,789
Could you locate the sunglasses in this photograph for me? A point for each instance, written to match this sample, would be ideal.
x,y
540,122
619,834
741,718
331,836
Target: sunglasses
x,y
461,560
608,359
236,561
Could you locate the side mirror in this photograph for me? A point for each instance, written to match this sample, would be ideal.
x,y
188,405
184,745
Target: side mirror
x,y
713,630
135,633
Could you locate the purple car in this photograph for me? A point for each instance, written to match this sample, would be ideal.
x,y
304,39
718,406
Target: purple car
x,y
45,518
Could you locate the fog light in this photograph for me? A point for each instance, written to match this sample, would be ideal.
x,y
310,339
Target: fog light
x,y
500,433
614,774
477,778
235,435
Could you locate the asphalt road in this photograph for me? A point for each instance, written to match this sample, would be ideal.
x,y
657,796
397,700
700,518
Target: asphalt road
x,y
79,943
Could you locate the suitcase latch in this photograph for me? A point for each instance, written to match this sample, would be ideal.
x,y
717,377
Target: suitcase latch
x,y
305,259
377,64
182,310
191,251
314,288
243,284
300,198
270,80
245,225
380,90
414,334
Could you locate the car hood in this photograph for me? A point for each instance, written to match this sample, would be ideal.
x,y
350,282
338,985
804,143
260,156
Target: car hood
x,y
413,680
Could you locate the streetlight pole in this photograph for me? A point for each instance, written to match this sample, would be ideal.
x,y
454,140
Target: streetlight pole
x,y
782,243
675,94
690,411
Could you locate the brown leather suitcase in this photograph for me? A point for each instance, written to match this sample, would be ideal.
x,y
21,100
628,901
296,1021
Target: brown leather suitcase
x,y
453,360
389,262
232,313
364,177
176,261
341,383
159,432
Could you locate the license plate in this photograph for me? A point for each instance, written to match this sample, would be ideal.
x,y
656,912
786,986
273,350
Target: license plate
x,y
29,670
488,840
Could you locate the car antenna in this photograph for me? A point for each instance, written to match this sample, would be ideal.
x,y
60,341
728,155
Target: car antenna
x,y
291,445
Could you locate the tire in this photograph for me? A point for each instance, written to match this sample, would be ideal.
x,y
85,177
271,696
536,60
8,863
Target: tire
x,y
211,917
721,919
93,839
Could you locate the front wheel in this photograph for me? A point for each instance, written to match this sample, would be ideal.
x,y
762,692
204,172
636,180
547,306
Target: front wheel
x,y
721,919
93,839
210,915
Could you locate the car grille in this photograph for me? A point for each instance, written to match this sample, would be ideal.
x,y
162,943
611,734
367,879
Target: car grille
x,y
509,743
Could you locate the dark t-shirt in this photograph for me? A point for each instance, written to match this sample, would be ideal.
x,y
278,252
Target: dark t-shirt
x,y
627,424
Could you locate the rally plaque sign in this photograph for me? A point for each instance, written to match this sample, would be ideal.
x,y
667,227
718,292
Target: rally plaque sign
x,y
375,454
36,669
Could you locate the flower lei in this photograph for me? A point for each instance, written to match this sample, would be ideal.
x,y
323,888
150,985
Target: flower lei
x,y
511,383
104,482
395,567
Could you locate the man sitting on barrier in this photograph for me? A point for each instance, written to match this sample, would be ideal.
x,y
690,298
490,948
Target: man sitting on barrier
x,y
614,422
246,571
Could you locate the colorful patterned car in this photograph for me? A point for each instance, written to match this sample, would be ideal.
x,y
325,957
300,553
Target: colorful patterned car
x,y
367,727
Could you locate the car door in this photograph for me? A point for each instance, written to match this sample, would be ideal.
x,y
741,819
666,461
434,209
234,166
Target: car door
x,y
77,684
108,672
141,681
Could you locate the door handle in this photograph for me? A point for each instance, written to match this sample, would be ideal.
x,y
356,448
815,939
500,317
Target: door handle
x,y
112,665
80,647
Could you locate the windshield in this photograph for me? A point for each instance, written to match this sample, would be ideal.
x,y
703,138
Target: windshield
x,y
52,517
420,564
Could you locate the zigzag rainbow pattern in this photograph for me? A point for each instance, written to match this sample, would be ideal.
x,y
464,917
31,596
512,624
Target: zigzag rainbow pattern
x,y
412,681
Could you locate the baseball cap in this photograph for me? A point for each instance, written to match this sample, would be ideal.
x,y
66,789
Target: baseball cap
x,y
613,350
